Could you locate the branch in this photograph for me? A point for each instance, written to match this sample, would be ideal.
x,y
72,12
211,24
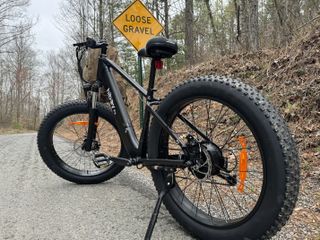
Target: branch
x,y
303,25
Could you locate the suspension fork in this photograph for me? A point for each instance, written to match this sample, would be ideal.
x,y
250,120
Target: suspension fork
x,y
93,118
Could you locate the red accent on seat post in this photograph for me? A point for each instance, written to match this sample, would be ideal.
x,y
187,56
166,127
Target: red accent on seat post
x,y
158,64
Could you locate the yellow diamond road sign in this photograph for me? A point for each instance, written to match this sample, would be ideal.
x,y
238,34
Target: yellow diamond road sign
x,y
138,24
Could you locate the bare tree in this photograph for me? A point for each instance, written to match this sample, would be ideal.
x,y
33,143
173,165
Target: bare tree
x,y
189,33
11,14
166,19
249,19
18,73
289,17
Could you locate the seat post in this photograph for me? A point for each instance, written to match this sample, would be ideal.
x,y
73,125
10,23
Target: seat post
x,y
142,151
152,77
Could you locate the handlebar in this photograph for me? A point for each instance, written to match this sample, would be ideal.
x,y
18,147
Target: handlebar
x,y
81,48
91,43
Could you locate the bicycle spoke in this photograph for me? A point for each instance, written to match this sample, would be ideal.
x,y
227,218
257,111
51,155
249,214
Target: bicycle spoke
x,y
231,133
252,185
208,123
193,127
210,195
76,132
68,139
204,196
199,194
223,207
234,200
218,119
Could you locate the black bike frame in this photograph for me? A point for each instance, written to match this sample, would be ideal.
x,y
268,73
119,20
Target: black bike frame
x,y
128,136
137,150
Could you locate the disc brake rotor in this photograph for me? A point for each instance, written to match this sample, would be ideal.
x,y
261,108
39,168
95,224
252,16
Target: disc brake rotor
x,y
207,157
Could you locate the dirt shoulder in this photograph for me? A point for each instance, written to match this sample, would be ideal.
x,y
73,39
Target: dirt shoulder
x,y
4,131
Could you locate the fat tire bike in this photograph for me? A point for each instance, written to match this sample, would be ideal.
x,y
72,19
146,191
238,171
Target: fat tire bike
x,y
221,157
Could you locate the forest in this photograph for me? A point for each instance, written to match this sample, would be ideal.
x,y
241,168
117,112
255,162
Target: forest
x,y
273,45
31,85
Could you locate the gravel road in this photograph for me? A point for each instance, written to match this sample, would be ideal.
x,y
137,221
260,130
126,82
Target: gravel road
x,y
36,204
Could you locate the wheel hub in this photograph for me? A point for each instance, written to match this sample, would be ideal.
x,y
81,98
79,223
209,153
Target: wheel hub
x,y
95,146
78,148
212,153
207,157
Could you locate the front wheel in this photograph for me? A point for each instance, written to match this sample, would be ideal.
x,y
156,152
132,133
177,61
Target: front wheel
x,y
61,138
244,180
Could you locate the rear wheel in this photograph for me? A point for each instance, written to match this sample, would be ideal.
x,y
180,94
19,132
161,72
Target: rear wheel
x,y
245,178
61,139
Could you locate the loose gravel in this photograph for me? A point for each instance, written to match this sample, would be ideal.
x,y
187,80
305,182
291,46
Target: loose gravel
x,y
36,204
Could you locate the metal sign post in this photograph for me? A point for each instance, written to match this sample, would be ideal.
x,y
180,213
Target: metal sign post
x,y
138,26
140,80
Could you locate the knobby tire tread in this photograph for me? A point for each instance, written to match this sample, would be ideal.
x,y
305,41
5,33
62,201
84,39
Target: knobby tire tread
x,y
287,144
53,166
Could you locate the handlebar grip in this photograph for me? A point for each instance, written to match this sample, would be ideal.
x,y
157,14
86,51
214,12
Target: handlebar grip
x,y
90,43
80,44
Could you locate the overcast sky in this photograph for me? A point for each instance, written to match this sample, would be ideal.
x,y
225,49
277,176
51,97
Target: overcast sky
x,y
48,37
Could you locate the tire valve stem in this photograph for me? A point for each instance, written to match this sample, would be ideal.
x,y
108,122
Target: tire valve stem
x,y
243,165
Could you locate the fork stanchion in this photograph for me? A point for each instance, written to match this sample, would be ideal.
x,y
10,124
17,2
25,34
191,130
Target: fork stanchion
x,y
140,80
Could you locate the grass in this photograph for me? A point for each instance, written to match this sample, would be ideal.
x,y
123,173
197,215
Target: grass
x,y
13,130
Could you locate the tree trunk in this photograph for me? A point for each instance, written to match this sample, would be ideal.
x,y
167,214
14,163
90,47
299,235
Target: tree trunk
x,y
288,13
156,5
207,2
249,25
189,34
253,25
213,40
166,19
244,22
293,15
111,16
101,19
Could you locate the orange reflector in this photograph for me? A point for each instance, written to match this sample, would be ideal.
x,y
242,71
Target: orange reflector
x,y
243,164
81,123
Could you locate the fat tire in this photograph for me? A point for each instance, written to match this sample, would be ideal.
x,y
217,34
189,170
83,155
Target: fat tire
x,y
281,159
47,151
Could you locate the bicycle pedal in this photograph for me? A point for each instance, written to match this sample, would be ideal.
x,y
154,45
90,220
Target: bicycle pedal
x,y
101,160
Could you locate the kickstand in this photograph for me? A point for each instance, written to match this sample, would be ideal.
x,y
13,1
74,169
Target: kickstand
x,y
168,185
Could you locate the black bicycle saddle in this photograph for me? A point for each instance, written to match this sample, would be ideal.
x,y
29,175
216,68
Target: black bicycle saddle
x,y
159,47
